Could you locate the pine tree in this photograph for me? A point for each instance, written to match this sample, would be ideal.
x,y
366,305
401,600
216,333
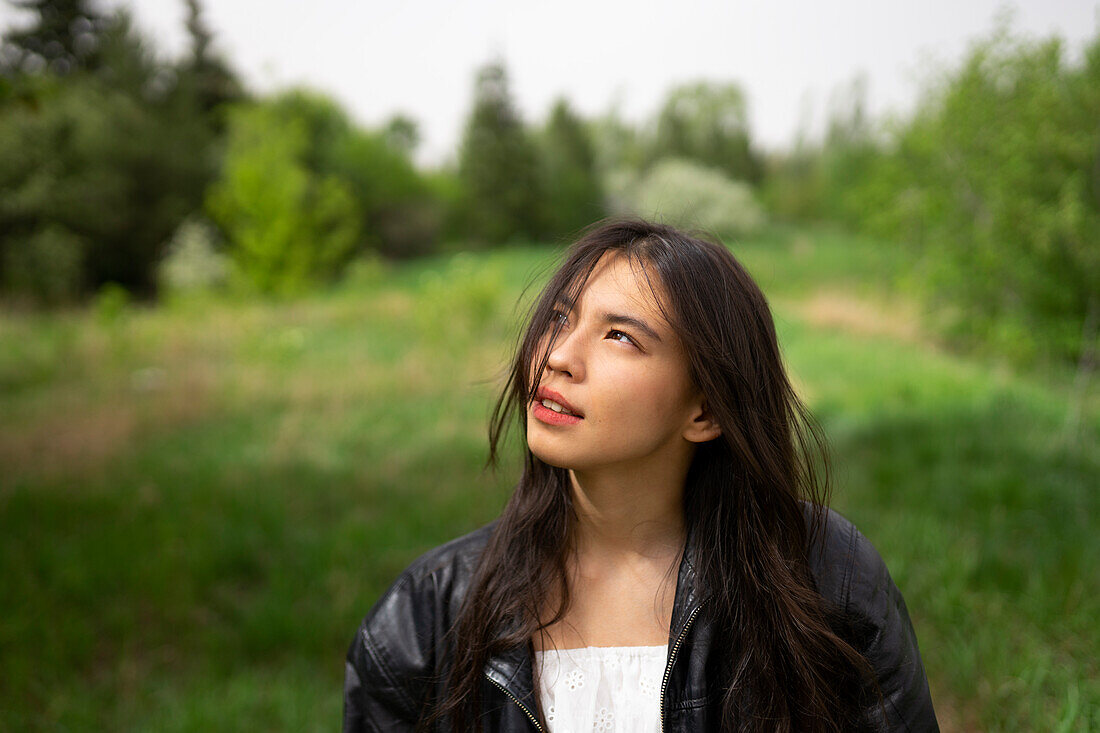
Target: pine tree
x,y
64,37
708,123
128,157
205,72
574,194
498,165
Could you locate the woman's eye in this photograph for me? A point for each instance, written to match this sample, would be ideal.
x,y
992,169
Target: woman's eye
x,y
620,336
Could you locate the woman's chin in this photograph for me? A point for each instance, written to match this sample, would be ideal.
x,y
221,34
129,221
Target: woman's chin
x,y
548,455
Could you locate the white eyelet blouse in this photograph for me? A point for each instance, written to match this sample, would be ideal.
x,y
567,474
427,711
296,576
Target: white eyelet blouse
x,y
610,688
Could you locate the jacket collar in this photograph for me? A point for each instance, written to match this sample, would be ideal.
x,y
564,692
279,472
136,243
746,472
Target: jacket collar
x,y
512,669
688,595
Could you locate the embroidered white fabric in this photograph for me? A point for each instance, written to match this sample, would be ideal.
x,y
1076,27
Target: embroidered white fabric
x,y
611,688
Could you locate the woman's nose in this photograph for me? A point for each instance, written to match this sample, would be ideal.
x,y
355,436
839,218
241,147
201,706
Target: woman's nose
x,y
565,357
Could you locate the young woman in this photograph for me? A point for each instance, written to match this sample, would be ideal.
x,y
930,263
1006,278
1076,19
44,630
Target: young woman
x,y
666,561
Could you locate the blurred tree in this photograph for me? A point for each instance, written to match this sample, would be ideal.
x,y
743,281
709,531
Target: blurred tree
x,y
617,144
103,165
498,165
446,190
792,188
64,36
130,66
289,223
993,184
707,122
850,155
204,73
402,132
399,215
574,194
372,195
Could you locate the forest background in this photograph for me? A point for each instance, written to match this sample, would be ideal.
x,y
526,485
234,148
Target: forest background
x,y
247,348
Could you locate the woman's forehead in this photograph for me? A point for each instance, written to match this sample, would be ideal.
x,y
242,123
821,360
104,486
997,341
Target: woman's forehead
x,y
626,282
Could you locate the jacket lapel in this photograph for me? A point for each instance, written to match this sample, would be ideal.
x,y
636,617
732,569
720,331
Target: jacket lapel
x,y
687,597
512,671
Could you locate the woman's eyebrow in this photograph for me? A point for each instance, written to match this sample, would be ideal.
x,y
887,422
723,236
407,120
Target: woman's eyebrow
x,y
617,319
621,319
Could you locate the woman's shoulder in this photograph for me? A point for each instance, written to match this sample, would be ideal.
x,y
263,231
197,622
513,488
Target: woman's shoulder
x,y
445,568
845,564
461,553
396,648
851,574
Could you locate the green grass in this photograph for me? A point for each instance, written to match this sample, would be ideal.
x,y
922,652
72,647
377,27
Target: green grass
x,y
198,503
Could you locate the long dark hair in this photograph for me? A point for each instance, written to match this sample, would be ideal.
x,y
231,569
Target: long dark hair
x,y
785,665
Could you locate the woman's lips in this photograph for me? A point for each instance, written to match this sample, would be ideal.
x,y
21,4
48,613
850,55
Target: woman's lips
x,y
551,417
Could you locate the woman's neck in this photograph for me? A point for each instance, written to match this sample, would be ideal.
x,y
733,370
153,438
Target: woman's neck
x,y
628,535
628,518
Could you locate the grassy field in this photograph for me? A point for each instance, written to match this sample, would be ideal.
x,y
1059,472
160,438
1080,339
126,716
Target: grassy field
x,y
198,503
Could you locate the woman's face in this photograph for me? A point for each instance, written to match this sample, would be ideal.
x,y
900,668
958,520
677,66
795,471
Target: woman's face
x,y
617,365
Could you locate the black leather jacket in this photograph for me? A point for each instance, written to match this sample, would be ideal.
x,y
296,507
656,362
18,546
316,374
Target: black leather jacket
x,y
396,661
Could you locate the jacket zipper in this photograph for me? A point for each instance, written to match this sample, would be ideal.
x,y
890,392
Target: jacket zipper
x,y
672,659
516,701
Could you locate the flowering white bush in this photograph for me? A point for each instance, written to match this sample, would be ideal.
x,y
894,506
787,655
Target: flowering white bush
x,y
191,260
686,194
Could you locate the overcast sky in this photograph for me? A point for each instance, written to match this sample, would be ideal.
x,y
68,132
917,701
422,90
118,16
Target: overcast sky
x,y
418,57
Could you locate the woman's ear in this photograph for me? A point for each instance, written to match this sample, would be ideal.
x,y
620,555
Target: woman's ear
x,y
703,426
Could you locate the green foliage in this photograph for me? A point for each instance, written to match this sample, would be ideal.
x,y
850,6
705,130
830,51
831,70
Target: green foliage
x,y
366,271
45,267
447,190
993,185
617,144
792,186
498,166
852,161
64,37
574,193
111,303
207,76
1010,199
402,132
289,224
687,194
466,297
707,123
832,180
303,190
115,157
400,212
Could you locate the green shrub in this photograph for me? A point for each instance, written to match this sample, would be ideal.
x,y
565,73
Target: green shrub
x,y
47,267
111,303
365,273
466,298
1003,168
289,226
